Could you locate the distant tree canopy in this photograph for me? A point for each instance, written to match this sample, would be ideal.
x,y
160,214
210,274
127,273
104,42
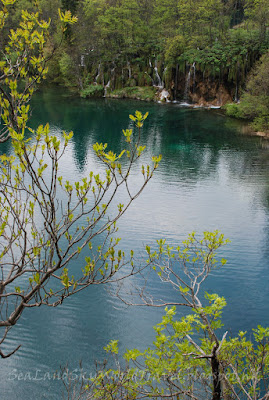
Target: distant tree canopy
x,y
254,102
130,43
223,37
258,83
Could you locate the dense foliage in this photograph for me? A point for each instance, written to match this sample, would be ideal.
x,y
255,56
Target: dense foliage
x,y
122,41
254,104
199,50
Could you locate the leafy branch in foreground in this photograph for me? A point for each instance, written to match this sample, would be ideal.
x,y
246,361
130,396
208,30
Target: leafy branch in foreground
x,y
47,221
23,65
192,357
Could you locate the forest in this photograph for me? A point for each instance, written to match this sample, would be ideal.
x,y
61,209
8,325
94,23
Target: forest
x,y
205,52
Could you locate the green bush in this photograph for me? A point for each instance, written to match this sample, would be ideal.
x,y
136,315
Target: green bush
x,y
253,108
67,70
232,110
146,93
254,104
92,91
261,123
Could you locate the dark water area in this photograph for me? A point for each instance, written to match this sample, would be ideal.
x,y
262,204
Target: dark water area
x,y
211,177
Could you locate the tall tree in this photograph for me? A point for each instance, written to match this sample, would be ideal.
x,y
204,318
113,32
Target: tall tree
x,y
258,12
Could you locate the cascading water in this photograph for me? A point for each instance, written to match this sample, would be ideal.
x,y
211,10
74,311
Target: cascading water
x,y
188,83
158,81
187,87
112,76
236,92
112,71
193,80
82,60
163,82
98,74
106,87
176,82
129,69
165,96
237,82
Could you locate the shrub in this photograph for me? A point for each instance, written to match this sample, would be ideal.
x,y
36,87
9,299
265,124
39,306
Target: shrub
x,y
92,91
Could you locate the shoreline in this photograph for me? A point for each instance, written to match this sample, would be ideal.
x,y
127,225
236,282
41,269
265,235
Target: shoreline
x,y
246,128
138,93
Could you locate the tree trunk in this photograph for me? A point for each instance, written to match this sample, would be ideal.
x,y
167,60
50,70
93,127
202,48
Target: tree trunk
x,y
215,374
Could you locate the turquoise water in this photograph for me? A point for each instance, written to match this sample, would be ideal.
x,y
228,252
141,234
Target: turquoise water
x,y
211,177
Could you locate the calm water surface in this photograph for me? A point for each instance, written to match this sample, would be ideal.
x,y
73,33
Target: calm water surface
x,y
211,177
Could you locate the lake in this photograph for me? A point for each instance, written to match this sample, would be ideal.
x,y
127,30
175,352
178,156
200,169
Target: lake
x,y
211,177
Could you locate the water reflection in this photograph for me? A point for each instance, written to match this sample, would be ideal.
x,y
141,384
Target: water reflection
x,y
211,177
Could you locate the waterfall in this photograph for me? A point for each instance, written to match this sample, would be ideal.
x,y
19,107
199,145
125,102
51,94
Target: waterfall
x,y
187,86
129,69
98,74
176,83
111,79
82,61
193,79
188,83
106,87
163,81
158,81
150,65
112,74
237,82
236,92
165,96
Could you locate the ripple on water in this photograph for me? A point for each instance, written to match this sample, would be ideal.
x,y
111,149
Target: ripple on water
x,y
211,177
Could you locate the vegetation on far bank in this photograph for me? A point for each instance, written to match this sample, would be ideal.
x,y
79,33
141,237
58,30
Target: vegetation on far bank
x,y
185,46
146,93
254,103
